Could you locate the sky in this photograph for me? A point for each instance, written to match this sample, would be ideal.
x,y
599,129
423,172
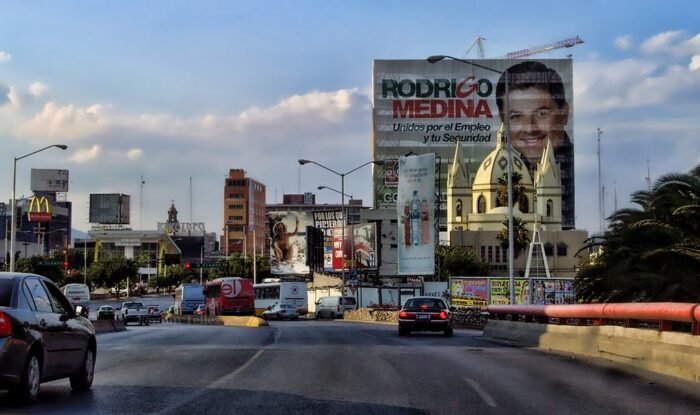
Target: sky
x,y
172,90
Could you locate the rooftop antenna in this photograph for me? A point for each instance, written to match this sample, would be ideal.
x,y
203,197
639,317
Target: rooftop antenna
x,y
600,186
141,203
648,178
191,221
479,47
615,204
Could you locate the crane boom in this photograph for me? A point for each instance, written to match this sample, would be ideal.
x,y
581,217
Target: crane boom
x,y
566,43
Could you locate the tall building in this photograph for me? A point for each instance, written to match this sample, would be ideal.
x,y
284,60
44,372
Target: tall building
x,y
244,213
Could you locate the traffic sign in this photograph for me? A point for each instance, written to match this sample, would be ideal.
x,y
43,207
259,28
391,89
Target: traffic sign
x,y
205,265
51,262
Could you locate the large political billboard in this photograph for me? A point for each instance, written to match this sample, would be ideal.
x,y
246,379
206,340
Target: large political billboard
x,y
358,250
288,242
326,220
424,107
415,209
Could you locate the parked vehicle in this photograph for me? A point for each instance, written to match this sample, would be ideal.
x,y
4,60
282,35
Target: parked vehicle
x,y
334,306
229,295
281,299
42,337
105,312
200,310
425,314
134,312
188,297
154,313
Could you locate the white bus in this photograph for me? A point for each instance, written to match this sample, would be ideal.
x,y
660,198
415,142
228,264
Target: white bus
x,y
77,294
289,298
188,297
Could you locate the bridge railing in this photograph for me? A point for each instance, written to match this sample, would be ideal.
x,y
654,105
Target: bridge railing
x,y
663,316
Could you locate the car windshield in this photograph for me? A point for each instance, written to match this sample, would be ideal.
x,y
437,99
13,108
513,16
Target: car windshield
x,y
5,292
106,308
425,304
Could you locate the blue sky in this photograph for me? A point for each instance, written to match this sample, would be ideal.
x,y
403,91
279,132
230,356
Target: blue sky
x,y
178,89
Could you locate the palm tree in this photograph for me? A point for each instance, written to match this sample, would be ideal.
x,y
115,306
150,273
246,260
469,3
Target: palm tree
x,y
650,253
521,237
502,191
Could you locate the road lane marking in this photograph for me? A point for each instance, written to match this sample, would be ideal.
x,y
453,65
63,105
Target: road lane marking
x,y
482,393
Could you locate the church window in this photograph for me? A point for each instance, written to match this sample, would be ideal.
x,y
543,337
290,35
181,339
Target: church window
x,y
481,204
550,208
548,249
524,204
458,209
561,249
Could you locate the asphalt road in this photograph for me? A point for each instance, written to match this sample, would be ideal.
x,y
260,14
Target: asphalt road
x,y
327,367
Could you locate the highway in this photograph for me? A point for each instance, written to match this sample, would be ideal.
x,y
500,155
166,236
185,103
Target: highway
x,y
340,367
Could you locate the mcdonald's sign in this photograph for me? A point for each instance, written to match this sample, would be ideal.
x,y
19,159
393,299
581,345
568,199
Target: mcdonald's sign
x,y
39,209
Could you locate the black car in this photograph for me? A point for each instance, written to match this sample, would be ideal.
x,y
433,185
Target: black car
x,y
105,312
425,314
42,338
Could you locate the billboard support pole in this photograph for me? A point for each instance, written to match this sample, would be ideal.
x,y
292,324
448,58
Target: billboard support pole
x,y
14,203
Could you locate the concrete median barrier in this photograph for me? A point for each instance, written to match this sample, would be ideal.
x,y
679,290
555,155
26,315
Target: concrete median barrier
x,y
243,321
107,326
232,321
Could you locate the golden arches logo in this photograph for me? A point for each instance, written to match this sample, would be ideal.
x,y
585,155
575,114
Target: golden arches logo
x,y
39,209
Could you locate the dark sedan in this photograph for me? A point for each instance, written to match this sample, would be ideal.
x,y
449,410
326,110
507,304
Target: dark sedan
x,y
42,338
425,314
105,312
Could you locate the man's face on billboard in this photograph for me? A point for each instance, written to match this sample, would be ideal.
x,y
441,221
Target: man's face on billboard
x,y
534,117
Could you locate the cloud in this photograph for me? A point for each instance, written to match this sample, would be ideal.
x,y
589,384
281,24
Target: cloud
x,y
64,122
624,42
85,155
134,154
37,89
694,63
5,57
661,42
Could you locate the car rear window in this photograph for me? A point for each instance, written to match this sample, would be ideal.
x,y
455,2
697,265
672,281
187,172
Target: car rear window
x,y
425,303
350,301
6,292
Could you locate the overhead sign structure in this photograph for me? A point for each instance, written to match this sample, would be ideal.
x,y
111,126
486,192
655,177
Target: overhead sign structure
x,y
415,209
49,180
39,209
421,107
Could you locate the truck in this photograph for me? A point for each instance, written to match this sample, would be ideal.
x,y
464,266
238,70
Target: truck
x,y
78,295
134,312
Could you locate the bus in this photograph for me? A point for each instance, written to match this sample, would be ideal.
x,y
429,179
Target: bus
x,y
187,298
77,294
290,296
229,296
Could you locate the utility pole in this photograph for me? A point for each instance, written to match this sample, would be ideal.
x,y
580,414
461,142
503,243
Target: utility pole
x,y
648,178
600,187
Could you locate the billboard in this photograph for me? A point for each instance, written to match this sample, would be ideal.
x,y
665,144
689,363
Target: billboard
x,y
39,209
49,180
469,292
326,220
422,107
359,247
288,242
415,211
110,208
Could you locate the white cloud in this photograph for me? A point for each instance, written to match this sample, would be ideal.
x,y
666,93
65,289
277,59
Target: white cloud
x,y
65,122
85,155
661,42
134,154
624,42
37,89
5,57
694,63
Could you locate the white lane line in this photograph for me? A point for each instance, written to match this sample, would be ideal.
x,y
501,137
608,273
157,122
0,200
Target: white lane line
x,y
482,393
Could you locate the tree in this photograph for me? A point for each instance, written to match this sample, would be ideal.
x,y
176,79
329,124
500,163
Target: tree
x,y
114,271
650,253
521,237
502,191
459,261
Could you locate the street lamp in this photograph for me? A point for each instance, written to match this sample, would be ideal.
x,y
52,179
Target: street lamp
x,y
335,190
342,205
14,185
506,118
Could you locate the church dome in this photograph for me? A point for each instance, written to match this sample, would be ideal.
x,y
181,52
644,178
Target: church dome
x,y
495,166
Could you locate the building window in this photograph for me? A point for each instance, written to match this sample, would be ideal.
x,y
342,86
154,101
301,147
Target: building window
x,y
483,253
550,208
548,249
524,204
481,204
490,254
458,210
498,253
561,249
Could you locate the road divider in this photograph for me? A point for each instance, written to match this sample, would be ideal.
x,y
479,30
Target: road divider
x,y
108,326
233,321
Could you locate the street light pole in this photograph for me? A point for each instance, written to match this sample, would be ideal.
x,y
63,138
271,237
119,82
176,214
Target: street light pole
x,y
506,119
335,190
13,203
342,207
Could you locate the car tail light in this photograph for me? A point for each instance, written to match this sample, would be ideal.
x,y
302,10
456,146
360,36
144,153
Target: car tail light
x,y
5,325
403,314
443,315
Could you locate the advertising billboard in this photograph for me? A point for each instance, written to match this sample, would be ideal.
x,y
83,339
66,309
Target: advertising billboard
x,y
363,240
326,220
49,180
39,209
415,209
288,242
110,208
469,292
424,107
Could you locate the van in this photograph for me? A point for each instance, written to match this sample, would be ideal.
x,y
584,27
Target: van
x,y
334,306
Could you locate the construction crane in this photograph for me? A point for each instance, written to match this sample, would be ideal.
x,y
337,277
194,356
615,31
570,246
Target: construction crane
x,y
479,47
566,43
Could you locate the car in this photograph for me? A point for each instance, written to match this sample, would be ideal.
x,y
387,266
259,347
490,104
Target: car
x,y
42,337
334,306
105,312
425,314
200,310
280,312
154,313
